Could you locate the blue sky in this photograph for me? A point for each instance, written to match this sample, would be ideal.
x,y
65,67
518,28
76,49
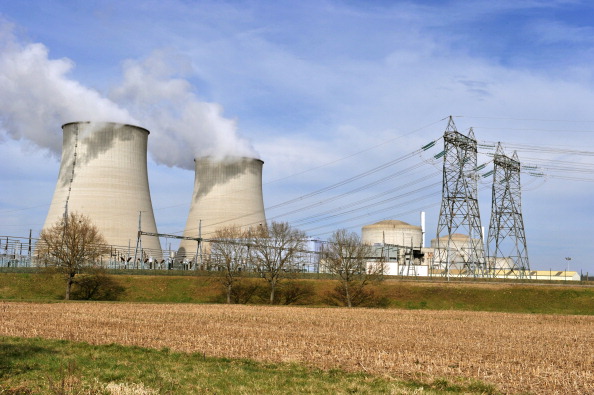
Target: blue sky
x,y
321,91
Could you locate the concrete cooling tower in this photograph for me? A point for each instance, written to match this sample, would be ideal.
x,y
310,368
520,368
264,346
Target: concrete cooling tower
x,y
227,192
103,175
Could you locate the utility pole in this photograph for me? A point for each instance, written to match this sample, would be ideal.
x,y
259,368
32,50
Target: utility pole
x,y
200,242
459,205
198,255
138,240
29,250
411,264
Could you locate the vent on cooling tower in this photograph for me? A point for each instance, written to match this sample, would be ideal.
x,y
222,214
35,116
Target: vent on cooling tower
x,y
227,192
103,175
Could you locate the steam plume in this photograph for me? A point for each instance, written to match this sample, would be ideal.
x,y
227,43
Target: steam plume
x,y
187,127
37,96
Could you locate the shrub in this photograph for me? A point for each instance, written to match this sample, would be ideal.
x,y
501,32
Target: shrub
x,y
288,292
296,292
96,285
360,296
243,291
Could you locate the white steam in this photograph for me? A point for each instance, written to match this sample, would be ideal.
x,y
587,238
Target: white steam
x,y
37,97
182,127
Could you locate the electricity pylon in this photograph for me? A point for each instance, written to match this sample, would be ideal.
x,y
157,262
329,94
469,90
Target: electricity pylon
x,y
506,243
459,211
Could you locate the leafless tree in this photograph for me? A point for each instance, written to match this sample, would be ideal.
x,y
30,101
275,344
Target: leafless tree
x,y
71,245
228,253
275,252
347,257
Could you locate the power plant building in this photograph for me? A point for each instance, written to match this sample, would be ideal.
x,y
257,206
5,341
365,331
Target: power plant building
x,y
455,251
227,192
103,175
398,244
393,232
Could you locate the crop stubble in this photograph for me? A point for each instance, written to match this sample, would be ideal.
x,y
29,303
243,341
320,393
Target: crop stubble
x,y
517,352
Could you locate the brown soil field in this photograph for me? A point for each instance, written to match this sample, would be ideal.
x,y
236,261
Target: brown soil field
x,y
515,352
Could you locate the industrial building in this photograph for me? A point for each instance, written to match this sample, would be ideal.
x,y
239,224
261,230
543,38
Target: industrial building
x,y
399,245
103,175
393,232
454,250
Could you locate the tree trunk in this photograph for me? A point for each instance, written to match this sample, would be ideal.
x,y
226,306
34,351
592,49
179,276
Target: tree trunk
x,y
69,283
347,295
229,294
272,289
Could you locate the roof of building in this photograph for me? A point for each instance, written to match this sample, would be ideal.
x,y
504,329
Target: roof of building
x,y
392,223
455,236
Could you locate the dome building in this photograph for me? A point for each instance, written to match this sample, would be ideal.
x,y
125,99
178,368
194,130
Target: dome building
x,y
393,232
398,244
457,253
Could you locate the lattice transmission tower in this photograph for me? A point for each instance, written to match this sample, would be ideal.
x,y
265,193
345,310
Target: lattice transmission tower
x,y
460,245
506,242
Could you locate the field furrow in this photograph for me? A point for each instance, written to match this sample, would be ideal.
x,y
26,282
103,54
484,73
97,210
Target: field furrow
x,y
517,352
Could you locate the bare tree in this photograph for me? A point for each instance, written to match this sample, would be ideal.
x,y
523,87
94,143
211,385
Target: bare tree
x,y
347,257
228,253
275,252
71,245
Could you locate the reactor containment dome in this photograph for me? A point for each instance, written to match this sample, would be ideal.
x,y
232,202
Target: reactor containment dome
x,y
392,232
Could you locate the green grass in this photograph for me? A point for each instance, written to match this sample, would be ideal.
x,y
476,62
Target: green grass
x,y
170,289
39,366
31,286
517,298
394,293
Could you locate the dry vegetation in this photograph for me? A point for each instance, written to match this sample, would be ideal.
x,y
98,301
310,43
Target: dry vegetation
x,y
517,352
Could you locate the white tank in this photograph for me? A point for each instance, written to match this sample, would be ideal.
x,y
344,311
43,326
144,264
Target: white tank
x,y
227,192
103,175
393,232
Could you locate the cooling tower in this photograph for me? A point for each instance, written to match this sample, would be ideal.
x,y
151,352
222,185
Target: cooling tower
x,y
103,175
227,192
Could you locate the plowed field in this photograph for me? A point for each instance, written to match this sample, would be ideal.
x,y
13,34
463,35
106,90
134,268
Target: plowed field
x,y
516,352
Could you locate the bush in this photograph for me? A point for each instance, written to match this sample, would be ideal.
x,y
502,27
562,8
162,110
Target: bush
x,y
360,296
96,286
243,291
296,292
246,291
288,292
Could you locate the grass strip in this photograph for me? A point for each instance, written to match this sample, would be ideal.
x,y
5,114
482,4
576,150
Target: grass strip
x,y
41,366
